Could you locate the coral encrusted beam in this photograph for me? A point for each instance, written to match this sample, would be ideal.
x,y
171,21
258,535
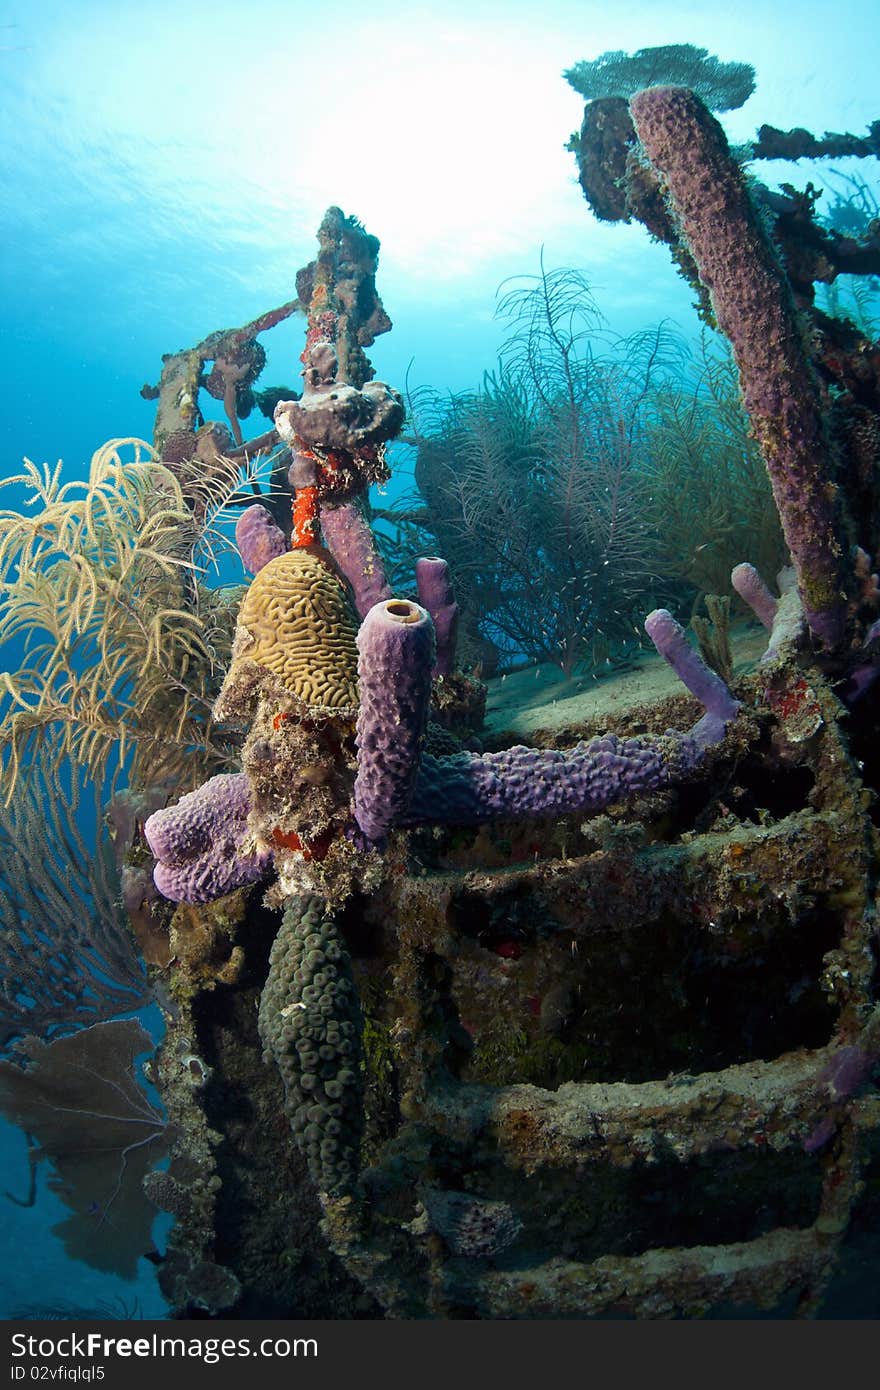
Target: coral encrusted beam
x,y
754,308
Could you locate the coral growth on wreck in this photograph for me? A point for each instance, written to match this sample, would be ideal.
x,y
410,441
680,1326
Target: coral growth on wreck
x,y
462,1024
124,647
720,86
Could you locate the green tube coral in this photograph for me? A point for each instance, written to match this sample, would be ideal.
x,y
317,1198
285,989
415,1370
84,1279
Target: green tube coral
x,y
310,1024
754,308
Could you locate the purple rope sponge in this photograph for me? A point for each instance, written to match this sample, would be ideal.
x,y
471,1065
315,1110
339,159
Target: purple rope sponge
x,y
671,642
258,537
436,594
396,646
349,538
754,309
198,842
752,590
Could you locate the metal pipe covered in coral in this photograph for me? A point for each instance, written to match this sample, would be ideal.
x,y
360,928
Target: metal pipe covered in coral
x,y
754,308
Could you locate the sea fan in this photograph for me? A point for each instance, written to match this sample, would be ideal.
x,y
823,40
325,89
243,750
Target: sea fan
x,y
722,86
67,954
81,1101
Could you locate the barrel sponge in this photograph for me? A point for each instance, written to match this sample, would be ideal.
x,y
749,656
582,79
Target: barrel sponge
x,y
310,1024
297,622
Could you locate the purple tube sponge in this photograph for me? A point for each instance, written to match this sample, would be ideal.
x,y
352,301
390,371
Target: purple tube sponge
x,y
754,308
259,538
752,590
824,1132
468,788
864,675
200,842
349,538
671,642
436,594
848,1070
396,646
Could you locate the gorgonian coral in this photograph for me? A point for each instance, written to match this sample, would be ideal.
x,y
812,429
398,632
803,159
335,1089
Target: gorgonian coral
x,y
120,647
722,86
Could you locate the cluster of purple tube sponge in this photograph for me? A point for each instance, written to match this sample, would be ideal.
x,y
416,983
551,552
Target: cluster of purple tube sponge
x,y
202,843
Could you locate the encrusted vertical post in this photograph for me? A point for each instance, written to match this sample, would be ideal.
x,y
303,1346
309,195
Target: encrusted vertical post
x,y
754,309
338,430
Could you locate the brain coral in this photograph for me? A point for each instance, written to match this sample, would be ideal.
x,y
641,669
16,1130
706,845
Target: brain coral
x,y
297,622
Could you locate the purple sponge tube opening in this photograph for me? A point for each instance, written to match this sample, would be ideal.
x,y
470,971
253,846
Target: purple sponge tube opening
x,y
258,537
436,594
396,646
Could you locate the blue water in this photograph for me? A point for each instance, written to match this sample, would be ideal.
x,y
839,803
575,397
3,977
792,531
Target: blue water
x,y
163,170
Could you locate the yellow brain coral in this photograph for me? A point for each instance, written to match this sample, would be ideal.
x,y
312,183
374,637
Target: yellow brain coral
x,y
297,622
